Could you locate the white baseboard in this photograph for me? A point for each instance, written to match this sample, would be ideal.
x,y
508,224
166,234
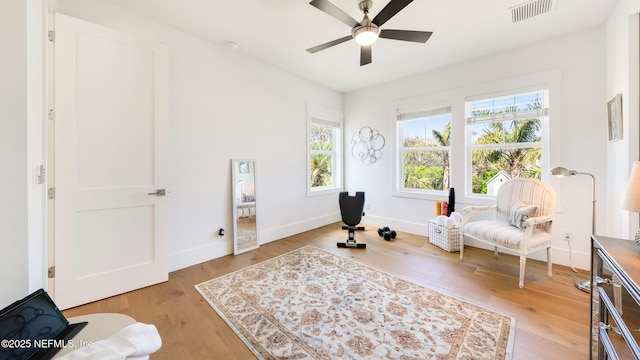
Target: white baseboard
x,y
397,225
561,256
196,255
578,260
276,233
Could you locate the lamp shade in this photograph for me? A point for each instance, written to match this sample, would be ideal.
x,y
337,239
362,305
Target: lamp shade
x,y
560,171
632,196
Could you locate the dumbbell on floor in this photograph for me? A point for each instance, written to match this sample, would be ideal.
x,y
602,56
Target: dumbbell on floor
x,y
387,233
381,231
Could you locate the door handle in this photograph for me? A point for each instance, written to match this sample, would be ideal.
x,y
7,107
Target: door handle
x,y
159,192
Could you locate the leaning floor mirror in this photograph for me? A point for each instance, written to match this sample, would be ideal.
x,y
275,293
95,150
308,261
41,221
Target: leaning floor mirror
x,y
243,188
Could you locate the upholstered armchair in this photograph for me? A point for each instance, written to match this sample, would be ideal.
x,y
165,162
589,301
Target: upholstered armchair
x,y
521,220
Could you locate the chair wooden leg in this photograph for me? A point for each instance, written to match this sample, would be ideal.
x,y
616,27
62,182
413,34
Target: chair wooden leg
x,y
549,262
523,261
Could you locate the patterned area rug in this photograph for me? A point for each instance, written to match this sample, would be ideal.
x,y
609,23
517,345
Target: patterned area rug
x,y
311,304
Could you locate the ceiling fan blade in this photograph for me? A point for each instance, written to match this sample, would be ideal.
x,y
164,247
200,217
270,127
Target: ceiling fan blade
x,y
365,55
392,8
406,35
334,11
329,44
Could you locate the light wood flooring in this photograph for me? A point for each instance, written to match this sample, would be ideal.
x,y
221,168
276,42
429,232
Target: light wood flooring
x,y
552,315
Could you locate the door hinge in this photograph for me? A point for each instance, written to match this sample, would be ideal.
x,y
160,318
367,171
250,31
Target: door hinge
x,y
51,36
52,193
52,114
51,272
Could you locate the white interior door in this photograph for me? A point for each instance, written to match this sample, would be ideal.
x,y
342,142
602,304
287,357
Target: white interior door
x,y
110,134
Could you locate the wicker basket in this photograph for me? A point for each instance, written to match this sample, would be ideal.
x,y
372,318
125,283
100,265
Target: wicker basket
x,y
446,238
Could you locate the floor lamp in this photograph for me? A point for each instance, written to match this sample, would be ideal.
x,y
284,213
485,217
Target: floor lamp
x,y
584,285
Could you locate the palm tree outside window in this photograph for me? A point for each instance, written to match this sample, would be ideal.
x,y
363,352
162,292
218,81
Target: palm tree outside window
x,y
505,136
425,153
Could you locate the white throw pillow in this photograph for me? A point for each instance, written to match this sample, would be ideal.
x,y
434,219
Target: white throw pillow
x,y
520,212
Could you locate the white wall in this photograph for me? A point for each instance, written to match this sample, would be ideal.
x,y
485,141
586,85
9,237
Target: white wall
x,y
222,106
216,93
13,152
36,140
574,66
622,73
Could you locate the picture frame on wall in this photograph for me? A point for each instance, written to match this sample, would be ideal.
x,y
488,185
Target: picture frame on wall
x,y
614,117
243,167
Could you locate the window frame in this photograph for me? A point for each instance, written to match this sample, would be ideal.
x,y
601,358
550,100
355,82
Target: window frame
x,y
402,117
457,97
413,111
325,116
543,114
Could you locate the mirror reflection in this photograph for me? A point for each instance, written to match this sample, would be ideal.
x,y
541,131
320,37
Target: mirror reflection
x,y
245,229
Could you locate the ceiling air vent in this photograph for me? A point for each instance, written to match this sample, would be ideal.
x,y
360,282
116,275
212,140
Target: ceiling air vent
x,y
530,9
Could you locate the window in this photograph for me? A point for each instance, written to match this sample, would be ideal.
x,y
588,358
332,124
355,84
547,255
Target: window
x,y
324,168
473,138
424,156
505,138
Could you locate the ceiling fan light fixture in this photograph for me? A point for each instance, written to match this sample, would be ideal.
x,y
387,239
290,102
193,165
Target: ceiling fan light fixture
x,y
367,31
366,35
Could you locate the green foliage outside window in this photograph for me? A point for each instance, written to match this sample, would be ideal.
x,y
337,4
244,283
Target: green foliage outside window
x,y
512,146
321,170
507,156
423,177
427,169
321,156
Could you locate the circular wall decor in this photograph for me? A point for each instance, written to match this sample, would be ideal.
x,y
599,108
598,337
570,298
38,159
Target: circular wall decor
x,y
366,145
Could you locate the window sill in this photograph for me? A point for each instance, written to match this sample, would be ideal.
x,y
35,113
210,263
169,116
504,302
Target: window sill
x,y
424,195
323,191
444,196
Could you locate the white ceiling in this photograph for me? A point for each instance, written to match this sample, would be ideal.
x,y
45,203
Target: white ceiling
x,y
277,32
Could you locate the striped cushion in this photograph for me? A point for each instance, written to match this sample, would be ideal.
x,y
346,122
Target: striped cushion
x,y
503,234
